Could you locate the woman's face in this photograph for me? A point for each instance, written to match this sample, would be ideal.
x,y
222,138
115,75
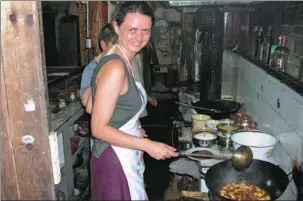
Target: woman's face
x,y
134,33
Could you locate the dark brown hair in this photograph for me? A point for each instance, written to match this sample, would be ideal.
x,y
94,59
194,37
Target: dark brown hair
x,y
107,34
132,7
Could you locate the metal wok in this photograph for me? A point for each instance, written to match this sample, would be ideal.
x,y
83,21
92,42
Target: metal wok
x,y
261,173
227,108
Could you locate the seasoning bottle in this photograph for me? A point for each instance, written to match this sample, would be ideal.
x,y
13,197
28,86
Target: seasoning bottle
x,y
62,103
72,96
78,94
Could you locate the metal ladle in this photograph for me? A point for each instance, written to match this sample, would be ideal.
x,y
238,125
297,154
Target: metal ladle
x,y
242,158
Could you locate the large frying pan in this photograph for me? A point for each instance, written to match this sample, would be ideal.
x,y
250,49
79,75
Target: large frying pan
x,y
227,108
261,173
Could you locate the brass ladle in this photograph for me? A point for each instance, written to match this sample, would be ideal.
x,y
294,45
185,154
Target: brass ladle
x,y
242,158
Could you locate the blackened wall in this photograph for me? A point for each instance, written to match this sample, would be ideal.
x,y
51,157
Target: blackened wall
x,y
236,30
285,18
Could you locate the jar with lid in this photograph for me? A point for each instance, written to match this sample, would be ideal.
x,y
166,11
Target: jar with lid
x,y
240,117
62,103
78,94
72,96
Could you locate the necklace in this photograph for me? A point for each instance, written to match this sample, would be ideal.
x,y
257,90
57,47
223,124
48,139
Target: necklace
x,y
128,62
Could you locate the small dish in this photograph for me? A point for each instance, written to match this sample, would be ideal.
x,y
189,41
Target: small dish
x,y
212,123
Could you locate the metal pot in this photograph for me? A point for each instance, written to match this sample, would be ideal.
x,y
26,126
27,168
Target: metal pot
x,y
247,125
227,129
205,137
224,142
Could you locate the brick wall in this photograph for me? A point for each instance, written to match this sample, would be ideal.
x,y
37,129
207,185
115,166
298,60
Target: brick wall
x,y
286,18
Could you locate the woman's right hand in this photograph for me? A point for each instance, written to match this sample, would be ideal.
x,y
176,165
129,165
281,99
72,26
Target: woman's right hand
x,y
160,150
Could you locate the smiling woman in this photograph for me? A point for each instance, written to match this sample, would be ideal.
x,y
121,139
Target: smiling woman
x,y
117,164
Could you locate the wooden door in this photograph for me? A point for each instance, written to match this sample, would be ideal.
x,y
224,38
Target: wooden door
x,y
26,167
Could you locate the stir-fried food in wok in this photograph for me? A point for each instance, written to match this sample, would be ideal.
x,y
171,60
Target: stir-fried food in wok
x,y
243,192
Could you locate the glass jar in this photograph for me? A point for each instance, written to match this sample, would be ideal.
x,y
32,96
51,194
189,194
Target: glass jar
x,y
78,96
72,96
62,103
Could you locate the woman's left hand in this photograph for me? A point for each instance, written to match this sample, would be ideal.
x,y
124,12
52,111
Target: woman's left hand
x,y
152,101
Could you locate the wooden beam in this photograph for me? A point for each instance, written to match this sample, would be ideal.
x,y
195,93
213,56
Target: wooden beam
x,y
82,34
27,171
9,186
97,22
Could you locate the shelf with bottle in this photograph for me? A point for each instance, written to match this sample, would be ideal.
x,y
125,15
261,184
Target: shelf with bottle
x,y
273,58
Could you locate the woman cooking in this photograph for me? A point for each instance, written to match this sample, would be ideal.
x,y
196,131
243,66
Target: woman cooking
x,y
117,164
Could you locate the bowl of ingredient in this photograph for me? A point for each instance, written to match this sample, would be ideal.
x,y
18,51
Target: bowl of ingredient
x,y
205,137
212,123
227,129
239,117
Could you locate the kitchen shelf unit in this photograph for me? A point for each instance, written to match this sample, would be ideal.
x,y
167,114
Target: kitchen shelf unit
x,y
61,80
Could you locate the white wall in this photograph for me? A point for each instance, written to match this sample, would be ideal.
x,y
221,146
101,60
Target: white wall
x,y
260,93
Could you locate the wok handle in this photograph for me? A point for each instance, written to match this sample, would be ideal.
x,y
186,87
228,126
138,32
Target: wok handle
x,y
202,173
292,176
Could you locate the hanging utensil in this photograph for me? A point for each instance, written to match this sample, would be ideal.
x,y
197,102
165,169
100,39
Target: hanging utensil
x,y
199,108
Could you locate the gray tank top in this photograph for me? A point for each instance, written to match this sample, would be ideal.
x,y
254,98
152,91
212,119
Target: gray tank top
x,y
127,105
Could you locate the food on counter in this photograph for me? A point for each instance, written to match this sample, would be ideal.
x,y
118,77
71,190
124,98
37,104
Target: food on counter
x,y
203,152
205,136
239,117
236,191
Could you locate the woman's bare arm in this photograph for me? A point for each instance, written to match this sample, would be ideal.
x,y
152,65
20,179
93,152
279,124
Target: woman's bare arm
x,y
110,83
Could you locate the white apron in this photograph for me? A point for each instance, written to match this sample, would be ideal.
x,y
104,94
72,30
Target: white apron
x,y
132,160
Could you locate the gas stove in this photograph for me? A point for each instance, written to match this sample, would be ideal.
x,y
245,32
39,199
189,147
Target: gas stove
x,y
205,164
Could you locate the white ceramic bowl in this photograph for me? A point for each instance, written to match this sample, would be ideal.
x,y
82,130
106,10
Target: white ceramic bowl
x,y
212,123
261,144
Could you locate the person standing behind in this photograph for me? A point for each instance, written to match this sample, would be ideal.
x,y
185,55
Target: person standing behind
x,y
137,66
106,39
